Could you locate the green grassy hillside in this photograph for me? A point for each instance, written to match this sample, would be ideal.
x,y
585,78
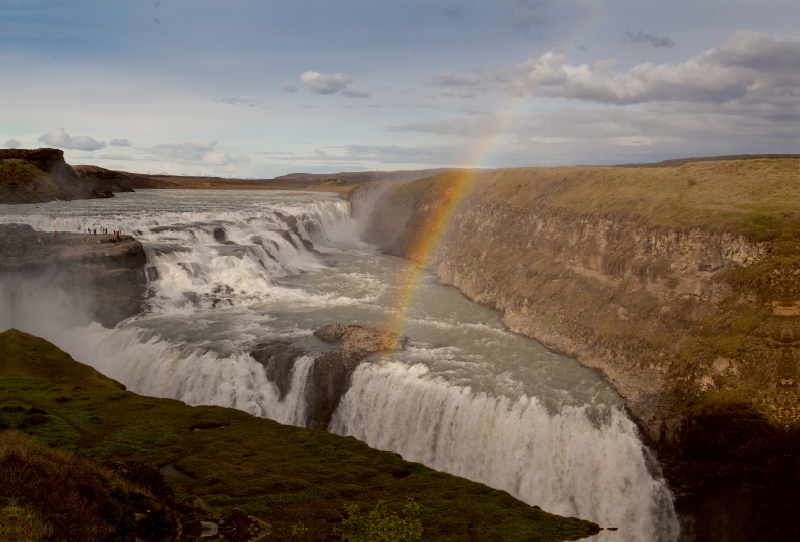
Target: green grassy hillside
x,y
282,474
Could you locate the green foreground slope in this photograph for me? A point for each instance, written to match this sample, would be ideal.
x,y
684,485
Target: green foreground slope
x,y
282,474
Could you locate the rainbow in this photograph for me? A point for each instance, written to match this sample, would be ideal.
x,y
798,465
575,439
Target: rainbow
x,y
451,194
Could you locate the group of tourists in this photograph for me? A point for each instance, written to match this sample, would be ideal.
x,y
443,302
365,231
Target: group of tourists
x,y
103,231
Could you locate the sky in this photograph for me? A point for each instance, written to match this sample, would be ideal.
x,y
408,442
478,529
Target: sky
x,y
261,88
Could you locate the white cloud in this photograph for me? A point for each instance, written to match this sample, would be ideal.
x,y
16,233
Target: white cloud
x,y
191,151
288,87
119,143
609,134
59,138
13,143
353,92
751,67
201,152
325,84
224,159
115,157
248,102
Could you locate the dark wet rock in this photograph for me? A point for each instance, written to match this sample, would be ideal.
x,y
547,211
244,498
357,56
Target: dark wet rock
x,y
35,419
735,476
199,523
222,289
34,410
207,426
291,222
143,476
330,376
278,358
327,384
219,235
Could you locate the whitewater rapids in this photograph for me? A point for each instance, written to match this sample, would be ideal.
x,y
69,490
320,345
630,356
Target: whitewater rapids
x,y
232,269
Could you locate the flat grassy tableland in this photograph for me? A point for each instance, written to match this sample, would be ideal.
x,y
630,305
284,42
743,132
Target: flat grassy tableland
x,y
285,475
755,198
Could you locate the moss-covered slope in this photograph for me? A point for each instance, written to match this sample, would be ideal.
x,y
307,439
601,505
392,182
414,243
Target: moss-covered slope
x,y
282,474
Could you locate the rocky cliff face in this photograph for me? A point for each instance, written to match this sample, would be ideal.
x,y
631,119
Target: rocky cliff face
x,y
103,274
697,327
41,175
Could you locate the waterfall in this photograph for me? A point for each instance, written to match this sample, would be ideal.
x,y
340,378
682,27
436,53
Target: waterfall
x,y
231,270
561,461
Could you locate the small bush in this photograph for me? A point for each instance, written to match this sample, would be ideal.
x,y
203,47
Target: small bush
x,y
382,525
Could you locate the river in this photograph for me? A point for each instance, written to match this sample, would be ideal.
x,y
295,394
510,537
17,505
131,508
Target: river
x,y
229,270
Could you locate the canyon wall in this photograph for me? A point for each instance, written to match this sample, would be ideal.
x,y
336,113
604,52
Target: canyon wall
x,y
41,175
687,300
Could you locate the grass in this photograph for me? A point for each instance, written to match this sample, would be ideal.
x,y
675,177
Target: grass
x,y
756,198
51,494
22,182
285,475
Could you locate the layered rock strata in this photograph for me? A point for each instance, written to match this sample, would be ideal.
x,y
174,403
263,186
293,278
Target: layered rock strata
x,y
697,327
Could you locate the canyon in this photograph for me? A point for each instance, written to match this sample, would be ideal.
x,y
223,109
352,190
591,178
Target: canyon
x,y
681,285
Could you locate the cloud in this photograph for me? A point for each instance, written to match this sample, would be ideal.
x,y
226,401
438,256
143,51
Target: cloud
x,y
59,138
248,102
119,143
353,92
288,87
115,156
751,67
196,152
447,79
13,143
643,39
191,151
581,133
357,155
325,84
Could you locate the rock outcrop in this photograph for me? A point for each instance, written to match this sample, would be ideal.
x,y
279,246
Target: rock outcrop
x,y
278,358
42,175
103,274
329,377
690,309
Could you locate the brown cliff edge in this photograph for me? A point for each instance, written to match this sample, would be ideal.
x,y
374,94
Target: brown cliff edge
x,y
41,175
680,284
